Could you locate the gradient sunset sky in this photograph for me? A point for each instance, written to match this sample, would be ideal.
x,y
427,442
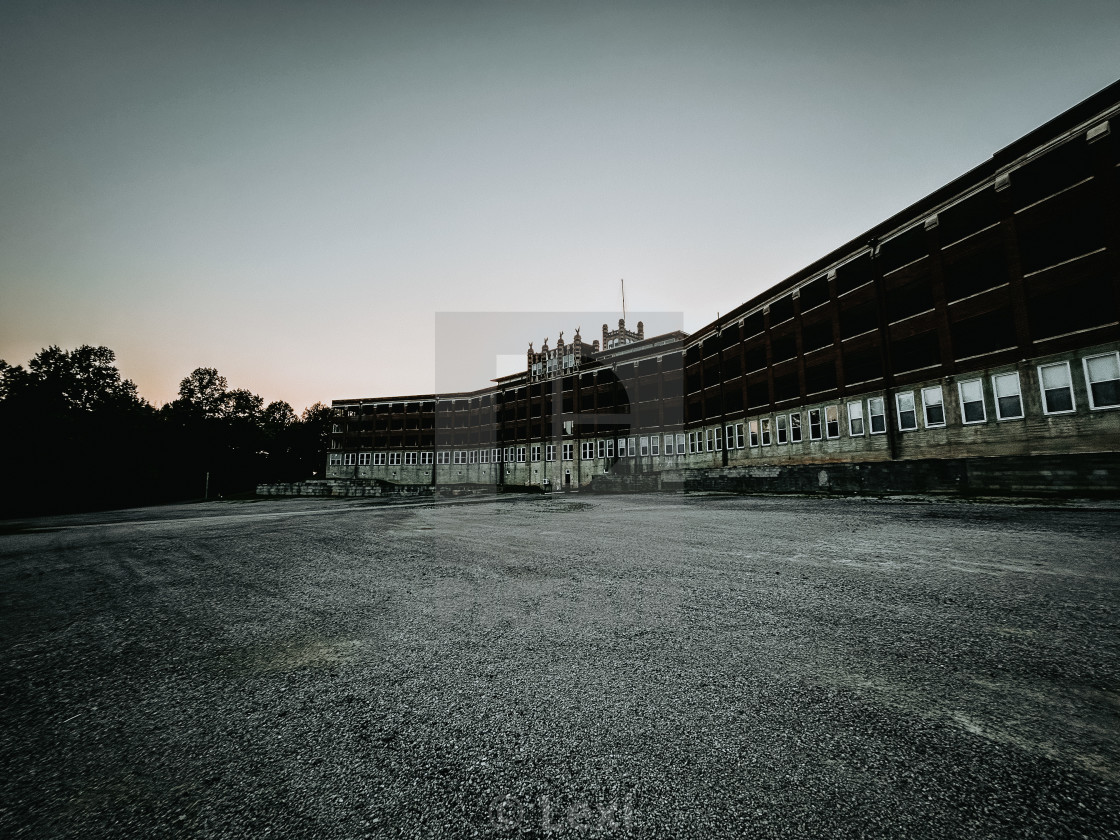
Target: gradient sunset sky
x,y
291,192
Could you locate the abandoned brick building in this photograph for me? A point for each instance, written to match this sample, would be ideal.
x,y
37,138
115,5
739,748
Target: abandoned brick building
x,y
975,334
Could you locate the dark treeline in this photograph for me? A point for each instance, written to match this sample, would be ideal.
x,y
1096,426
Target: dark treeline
x,y
74,435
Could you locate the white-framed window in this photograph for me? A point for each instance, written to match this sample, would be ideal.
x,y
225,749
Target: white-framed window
x,y
707,440
740,436
484,456
443,457
587,449
550,452
691,442
509,454
782,430
855,418
535,452
363,459
379,459
654,444
907,413
971,393
718,432
459,457
729,435
632,449
670,447
795,427
567,452
610,447
1009,398
348,459
474,456
877,414
764,430
622,447
394,459
496,456
832,421
1102,378
680,444
410,459
933,404
601,448
752,432
334,459
1057,388
521,454
426,457
643,446
816,428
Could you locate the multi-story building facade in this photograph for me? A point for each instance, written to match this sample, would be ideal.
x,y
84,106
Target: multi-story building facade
x,y
981,322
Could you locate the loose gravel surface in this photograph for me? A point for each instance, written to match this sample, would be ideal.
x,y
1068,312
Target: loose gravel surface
x,y
641,666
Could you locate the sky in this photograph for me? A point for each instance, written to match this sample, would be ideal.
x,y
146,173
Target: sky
x,y
293,193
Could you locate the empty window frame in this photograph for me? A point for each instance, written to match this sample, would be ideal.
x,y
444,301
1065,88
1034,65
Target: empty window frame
x,y
643,446
718,432
1009,398
550,452
855,418
691,443
740,437
1102,378
348,459
622,447
610,447
410,459
1057,388
933,405
363,459
680,444
654,444
567,451
783,431
379,459
535,452
335,459
752,432
832,421
971,392
907,413
795,427
729,436
601,448
764,430
816,429
394,459
877,414
707,440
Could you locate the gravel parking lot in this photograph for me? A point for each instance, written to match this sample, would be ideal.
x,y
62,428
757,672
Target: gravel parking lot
x,y
642,666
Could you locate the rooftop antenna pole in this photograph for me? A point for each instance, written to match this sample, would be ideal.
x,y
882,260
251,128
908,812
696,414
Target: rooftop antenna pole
x,y
622,281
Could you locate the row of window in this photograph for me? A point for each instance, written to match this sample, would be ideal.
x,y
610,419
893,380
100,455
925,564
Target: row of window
x,y
1102,380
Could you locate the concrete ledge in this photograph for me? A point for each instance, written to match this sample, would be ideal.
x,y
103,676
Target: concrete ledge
x,y
1085,474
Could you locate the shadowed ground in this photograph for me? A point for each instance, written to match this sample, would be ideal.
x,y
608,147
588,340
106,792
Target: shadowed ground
x,y
580,666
